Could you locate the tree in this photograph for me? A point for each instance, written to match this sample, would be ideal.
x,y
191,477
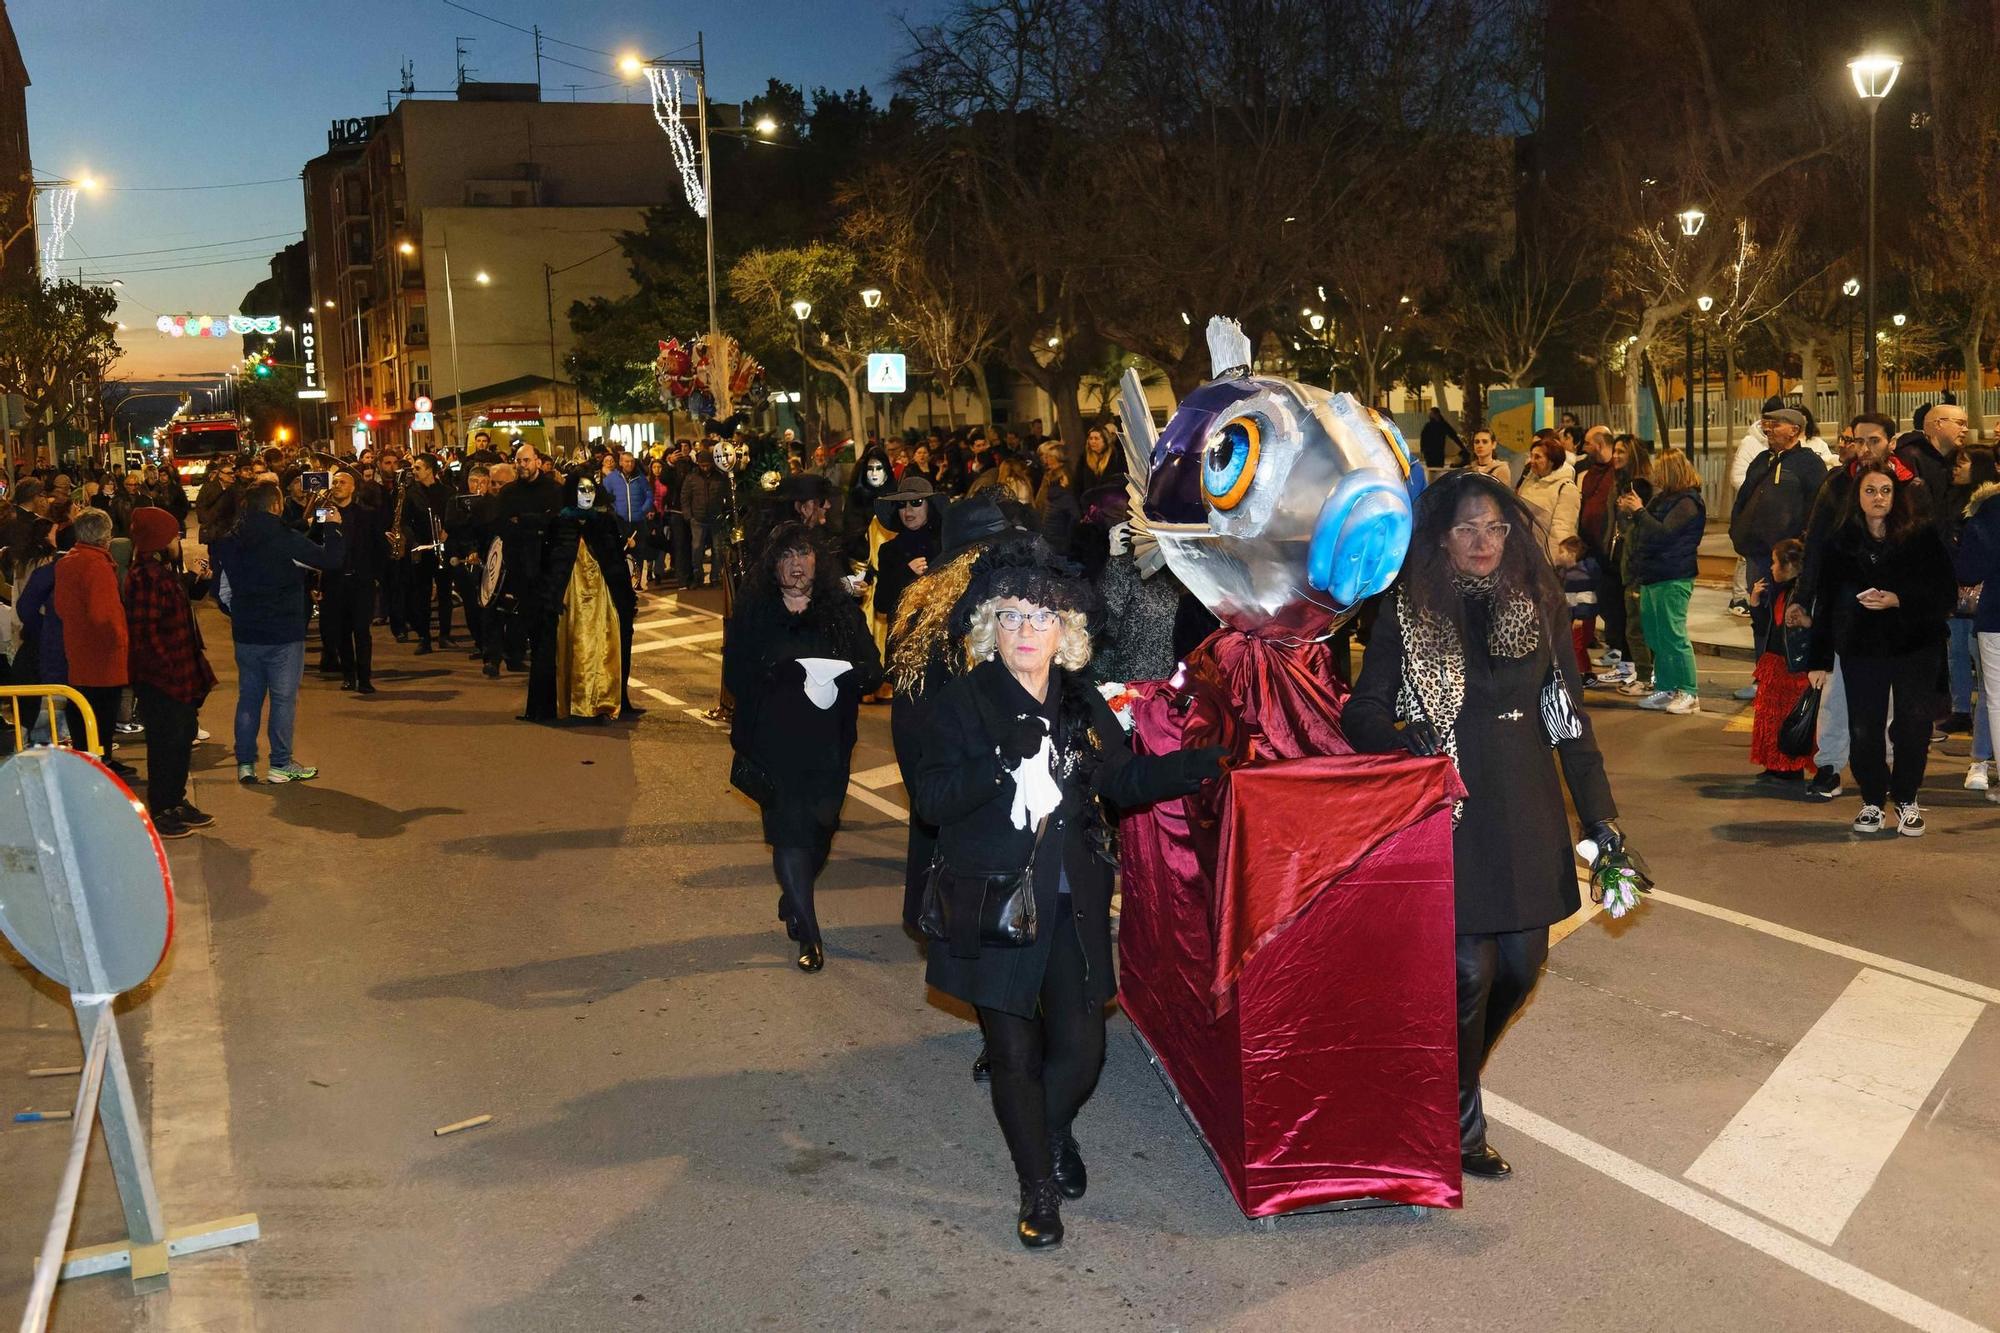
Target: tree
x,y
52,334
612,359
841,331
1962,179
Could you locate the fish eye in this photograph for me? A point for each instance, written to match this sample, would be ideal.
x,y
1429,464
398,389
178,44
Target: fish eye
x,y
1229,461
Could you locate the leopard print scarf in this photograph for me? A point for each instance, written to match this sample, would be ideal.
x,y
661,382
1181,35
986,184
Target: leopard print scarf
x,y
1433,684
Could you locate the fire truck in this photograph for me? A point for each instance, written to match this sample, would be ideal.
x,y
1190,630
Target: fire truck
x,y
192,443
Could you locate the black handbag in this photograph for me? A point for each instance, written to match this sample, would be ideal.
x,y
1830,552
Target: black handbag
x,y
1798,734
974,911
749,777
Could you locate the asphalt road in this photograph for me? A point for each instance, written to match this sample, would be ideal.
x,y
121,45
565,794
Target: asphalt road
x,y
1765,1103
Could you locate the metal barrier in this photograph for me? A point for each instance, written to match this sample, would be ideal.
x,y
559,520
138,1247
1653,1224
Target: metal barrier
x,y
50,695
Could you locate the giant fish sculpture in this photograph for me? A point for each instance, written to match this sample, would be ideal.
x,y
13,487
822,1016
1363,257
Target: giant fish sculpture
x,y
1279,505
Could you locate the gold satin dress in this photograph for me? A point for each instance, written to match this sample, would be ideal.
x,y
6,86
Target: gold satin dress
x,y
588,665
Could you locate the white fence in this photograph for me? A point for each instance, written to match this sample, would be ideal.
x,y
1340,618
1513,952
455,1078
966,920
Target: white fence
x,y
1728,419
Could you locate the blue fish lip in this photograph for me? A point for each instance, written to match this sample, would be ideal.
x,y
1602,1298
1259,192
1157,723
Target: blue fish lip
x,y
1360,537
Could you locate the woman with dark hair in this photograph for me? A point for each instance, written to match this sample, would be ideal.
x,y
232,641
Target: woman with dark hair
x,y
1885,591
1466,645
586,591
1018,751
797,659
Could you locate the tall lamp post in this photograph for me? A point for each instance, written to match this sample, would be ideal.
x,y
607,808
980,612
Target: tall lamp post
x,y
1691,220
871,299
1707,303
1850,289
803,310
1896,385
1873,77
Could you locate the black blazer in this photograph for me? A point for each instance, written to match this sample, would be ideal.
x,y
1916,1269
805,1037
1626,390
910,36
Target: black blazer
x,y
967,789
1917,569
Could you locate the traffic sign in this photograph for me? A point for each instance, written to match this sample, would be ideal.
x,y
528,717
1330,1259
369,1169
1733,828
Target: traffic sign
x,y
422,404
887,372
423,420
69,830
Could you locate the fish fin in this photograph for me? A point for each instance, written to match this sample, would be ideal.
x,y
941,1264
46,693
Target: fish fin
x,y
1139,433
1228,348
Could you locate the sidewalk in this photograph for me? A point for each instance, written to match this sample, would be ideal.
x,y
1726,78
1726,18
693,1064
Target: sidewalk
x,y
1713,631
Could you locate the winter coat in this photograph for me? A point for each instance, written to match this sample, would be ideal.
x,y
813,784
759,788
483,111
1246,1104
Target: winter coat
x,y
631,494
264,564
893,575
702,492
1917,453
41,631
93,616
1555,497
1775,500
1917,569
1597,510
1978,558
967,788
1666,538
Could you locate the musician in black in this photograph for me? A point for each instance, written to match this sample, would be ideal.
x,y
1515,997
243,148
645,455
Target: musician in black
x,y
468,527
347,596
522,511
426,501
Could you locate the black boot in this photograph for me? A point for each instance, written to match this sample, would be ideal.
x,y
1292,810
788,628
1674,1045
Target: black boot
x,y
1041,1214
982,1067
1069,1175
794,869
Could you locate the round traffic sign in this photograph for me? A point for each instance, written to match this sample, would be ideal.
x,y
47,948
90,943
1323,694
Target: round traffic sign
x,y
71,833
423,404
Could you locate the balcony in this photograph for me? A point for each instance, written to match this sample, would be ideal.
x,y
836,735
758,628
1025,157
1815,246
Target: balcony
x,y
417,336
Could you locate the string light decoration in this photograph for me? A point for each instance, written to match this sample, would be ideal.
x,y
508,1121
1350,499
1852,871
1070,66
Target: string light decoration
x,y
217,326
62,216
665,85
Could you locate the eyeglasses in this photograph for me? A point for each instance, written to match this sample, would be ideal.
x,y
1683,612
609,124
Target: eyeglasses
x,y
1011,619
1472,532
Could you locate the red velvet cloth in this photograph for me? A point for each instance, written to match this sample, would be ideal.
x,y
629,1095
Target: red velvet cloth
x,y
1286,940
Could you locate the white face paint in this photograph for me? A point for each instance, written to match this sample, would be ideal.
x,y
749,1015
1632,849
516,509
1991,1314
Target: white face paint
x,y
877,475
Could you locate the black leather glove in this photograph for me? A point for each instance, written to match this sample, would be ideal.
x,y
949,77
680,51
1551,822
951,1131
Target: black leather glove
x,y
1420,738
1191,768
1020,738
1607,837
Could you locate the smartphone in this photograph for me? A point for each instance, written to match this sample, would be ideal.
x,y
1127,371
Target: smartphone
x,y
320,514
316,481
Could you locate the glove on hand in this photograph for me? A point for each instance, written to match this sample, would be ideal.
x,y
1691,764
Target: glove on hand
x,y
1194,767
1420,738
1020,738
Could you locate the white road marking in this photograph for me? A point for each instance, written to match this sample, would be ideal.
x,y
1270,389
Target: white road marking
x,y
874,779
1761,1236
662,696
1576,920
701,716
1808,1145
681,641
1941,980
866,797
668,622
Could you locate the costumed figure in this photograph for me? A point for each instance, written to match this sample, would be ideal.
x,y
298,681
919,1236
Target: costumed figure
x,y
1281,507
796,660
914,513
1018,905
860,532
587,586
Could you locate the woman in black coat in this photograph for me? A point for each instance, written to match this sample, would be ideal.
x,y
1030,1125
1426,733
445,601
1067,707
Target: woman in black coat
x,y
1885,592
793,730
1019,750
915,513
1456,665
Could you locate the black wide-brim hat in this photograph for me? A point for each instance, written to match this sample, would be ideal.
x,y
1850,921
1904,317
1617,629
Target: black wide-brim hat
x,y
912,487
1022,565
801,486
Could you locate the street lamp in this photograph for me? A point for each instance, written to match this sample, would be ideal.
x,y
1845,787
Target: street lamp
x,y
1874,76
803,310
1896,385
1850,289
871,297
1691,220
1705,304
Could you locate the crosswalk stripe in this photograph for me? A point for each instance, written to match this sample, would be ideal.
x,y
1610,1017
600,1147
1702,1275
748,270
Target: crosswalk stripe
x,y
874,779
681,641
1808,1145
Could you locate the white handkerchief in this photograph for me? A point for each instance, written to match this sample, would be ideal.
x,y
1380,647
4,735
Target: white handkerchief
x,y
821,673
1036,792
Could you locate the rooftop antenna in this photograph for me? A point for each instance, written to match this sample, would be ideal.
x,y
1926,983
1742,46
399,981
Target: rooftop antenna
x,y
538,55
460,44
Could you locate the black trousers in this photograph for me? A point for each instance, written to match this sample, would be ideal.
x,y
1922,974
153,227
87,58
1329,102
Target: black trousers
x,y
466,579
1871,683
347,606
1046,1067
170,731
504,636
426,578
1495,975
1611,606
394,595
103,701
541,636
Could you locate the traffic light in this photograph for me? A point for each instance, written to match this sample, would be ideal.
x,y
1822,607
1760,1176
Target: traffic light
x,y
263,369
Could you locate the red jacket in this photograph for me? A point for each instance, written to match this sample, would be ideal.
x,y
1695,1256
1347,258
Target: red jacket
x,y
93,617
166,642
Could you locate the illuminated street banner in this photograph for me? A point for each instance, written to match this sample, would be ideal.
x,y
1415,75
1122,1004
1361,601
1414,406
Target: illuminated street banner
x,y
217,326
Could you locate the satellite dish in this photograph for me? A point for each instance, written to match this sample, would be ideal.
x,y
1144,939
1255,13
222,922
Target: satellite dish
x,y
75,842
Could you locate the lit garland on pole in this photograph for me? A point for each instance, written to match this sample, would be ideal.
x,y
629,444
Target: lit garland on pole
x,y
62,216
665,85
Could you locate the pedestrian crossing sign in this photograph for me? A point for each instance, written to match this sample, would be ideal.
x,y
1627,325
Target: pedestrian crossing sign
x,y
887,372
422,421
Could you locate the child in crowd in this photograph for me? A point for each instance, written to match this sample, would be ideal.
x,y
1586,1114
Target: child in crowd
x,y
1778,685
1580,574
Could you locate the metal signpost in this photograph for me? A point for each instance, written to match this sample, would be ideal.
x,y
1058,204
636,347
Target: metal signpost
x,y
86,898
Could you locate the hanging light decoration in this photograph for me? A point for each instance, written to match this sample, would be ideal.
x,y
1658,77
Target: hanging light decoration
x,y
62,216
665,85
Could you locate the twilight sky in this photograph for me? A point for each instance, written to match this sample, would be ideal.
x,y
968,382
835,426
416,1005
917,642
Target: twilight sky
x,y
145,94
